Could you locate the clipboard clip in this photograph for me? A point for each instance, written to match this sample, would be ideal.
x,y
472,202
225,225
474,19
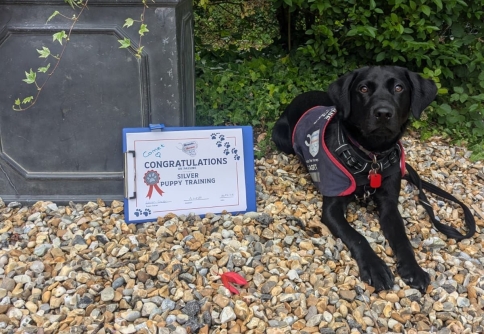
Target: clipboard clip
x,y
156,127
126,175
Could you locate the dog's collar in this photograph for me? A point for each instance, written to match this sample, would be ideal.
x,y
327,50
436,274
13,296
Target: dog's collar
x,y
359,165
372,155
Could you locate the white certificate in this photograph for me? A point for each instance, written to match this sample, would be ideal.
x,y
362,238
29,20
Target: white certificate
x,y
181,172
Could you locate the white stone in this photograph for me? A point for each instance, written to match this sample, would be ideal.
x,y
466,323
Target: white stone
x,y
227,315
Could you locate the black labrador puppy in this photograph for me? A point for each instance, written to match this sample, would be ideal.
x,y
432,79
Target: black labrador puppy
x,y
351,148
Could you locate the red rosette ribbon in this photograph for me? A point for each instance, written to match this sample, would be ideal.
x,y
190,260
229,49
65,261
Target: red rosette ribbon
x,y
151,179
231,277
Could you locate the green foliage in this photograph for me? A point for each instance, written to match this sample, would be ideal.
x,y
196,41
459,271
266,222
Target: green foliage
x,y
128,23
442,39
30,77
44,53
252,89
234,25
59,36
125,43
74,3
54,14
143,29
43,69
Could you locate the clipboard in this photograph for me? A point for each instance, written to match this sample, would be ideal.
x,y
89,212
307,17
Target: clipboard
x,y
183,170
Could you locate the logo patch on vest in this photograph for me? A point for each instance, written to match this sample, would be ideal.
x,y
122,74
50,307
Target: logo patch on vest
x,y
313,143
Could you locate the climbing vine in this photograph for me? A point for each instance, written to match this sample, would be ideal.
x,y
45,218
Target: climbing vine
x,y
41,76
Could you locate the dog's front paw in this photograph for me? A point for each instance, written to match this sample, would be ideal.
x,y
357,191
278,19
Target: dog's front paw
x,y
375,272
414,276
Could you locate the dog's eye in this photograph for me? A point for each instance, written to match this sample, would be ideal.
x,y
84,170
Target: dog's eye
x,y
364,89
398,88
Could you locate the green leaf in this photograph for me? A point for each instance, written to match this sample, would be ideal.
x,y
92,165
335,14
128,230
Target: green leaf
x,y
439,4
372,4
73,3
473,107
320,8
143,29
43,69
288,2
459,90
27,100
445,108
380,56
139,51
371,31
458,30
352,32
59,36
30,77
125,43
425,9
52,16
44,53
17,102
128,23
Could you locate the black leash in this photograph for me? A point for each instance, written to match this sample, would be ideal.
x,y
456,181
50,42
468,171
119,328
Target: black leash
x,y
449,231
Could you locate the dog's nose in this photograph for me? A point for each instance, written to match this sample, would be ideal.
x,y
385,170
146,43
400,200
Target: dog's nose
x,y
383,113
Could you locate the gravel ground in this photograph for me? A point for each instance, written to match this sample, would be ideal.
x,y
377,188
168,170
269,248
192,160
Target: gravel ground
x,y
82,269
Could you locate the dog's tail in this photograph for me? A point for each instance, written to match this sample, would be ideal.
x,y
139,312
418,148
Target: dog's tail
x,y
282,135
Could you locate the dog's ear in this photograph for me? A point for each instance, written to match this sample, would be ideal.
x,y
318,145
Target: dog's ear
x,y
339,92
423,92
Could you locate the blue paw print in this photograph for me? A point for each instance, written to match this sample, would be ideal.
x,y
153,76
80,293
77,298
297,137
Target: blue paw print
x,y
221,137
219,144
227,144
147,212
236,157
138,212
226,152
214,135
234,151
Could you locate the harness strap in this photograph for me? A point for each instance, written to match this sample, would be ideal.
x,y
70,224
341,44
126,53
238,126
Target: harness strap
x,y
358,165
449,231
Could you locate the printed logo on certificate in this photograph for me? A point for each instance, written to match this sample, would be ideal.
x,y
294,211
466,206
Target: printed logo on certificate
x,y
197,171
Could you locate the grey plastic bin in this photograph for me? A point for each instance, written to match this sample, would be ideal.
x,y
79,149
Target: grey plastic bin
x,y
68,147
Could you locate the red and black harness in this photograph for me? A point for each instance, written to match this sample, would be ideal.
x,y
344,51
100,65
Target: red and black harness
x,y
338,171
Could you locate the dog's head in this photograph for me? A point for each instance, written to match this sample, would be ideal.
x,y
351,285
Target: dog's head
x,y
376,102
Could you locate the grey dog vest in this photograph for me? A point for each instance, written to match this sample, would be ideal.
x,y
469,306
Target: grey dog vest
x,y
329,174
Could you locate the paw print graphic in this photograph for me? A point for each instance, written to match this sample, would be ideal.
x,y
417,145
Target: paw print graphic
x,y
151,178
236,157
227,144
138,212
226,152
219,144
147,212
221,137
214,136
234,151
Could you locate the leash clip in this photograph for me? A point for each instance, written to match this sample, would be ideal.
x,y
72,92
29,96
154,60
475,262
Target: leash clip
x,y
373,175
